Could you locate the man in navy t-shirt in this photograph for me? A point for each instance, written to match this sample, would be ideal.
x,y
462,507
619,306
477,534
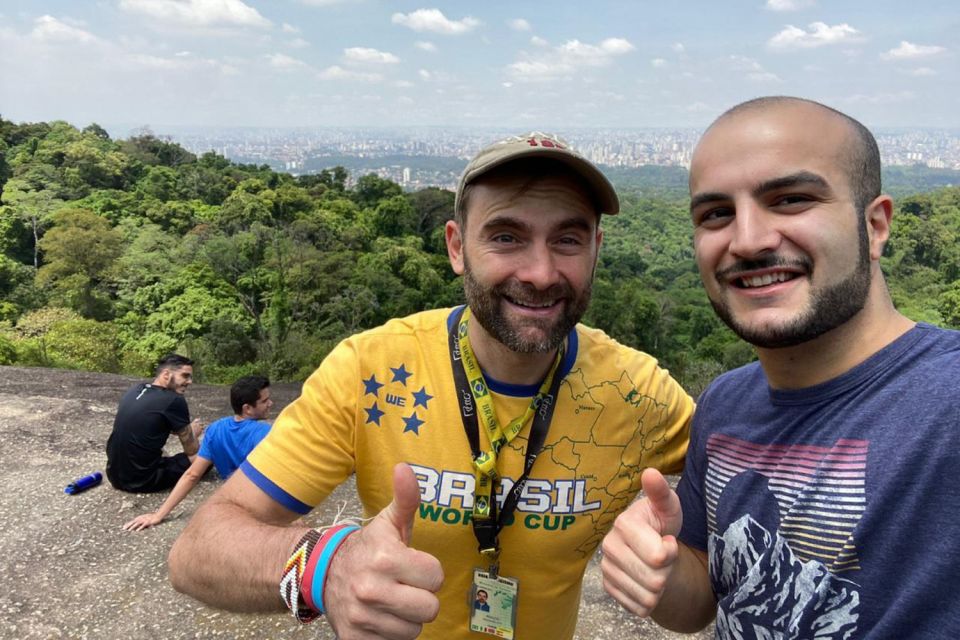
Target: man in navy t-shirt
x,y
821,493
225,445
148,413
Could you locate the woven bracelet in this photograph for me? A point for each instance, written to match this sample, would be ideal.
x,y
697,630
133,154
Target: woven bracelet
x,y
293,572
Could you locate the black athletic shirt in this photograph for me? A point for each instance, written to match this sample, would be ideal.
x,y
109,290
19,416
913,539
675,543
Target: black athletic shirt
x,y
146,417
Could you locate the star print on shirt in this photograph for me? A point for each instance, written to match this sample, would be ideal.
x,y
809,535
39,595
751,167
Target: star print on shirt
x,y
413,423
421,398
400,374
371,386
373,414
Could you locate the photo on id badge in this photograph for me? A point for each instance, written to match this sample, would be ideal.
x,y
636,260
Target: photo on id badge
x,y
493,605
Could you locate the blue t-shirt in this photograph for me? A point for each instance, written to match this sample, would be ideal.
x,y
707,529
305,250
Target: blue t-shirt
x,y
227,442
832,511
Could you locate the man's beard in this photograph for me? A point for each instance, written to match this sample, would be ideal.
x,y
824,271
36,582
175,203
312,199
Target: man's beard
x,y
828,309
486,305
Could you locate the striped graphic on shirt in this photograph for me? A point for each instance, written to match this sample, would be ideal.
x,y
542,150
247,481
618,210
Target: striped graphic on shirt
x,y
820,492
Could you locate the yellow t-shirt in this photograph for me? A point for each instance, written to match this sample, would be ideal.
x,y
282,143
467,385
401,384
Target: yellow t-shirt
x,y
387,395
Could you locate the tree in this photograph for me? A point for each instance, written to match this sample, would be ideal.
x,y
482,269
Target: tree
x,y
433,207
34,206
151,150
401,275
79,252
85,344
17,290
371,189
395,217
149,257
97,131
160,182
246,206
33,327
949,303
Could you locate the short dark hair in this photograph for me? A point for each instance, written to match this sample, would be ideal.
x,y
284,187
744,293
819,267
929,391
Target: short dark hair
x,y
247,390
862,155
530,171
172,361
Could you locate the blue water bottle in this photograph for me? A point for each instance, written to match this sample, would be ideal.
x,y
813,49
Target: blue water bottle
x,y
84,483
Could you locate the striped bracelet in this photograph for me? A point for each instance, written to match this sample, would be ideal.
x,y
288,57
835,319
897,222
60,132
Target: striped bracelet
x,y
305,573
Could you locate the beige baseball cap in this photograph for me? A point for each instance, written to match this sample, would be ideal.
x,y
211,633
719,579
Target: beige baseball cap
x,y
541,145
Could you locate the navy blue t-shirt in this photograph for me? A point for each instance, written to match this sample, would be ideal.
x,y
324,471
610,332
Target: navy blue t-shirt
x,y
832,511
146,417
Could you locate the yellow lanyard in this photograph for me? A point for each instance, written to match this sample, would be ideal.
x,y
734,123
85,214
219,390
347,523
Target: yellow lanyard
x,y
485,464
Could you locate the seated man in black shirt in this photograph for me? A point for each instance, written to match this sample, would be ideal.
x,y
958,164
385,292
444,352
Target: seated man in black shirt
x,y
147,415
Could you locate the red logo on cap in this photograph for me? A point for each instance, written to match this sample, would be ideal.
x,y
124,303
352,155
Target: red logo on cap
x,y
544,142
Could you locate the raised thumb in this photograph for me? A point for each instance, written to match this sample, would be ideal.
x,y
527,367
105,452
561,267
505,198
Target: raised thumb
x,y
406,499
663,501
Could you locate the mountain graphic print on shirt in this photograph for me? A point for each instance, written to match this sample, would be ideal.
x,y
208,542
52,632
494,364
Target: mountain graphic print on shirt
x,y
806,548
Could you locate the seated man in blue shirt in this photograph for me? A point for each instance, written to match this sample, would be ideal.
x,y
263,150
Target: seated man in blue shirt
x,y
225,444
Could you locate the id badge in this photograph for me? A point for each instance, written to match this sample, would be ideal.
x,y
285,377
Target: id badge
x,y
493,604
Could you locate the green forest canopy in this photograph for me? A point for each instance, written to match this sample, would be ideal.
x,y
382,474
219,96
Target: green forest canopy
x,y
113,252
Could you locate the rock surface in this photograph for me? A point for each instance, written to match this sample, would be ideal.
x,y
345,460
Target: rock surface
x,y
70,571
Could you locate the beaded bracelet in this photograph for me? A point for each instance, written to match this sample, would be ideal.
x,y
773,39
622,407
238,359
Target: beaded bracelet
x,y
293,571
305,573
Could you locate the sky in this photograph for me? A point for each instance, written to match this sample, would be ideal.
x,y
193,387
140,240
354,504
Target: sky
x,y
528,64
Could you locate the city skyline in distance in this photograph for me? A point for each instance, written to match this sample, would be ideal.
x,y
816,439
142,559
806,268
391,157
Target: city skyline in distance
x,y
417,157
535,65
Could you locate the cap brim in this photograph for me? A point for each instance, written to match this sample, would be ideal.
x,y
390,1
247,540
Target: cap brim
x,y
604,195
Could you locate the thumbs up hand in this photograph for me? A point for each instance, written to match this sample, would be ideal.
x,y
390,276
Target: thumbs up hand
x,y
378,587
640,551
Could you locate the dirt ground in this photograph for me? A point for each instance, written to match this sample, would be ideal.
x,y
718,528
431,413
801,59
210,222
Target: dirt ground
x,y
70,571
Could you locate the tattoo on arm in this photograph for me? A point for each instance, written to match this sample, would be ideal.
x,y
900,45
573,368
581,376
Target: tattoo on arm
x,y
189,441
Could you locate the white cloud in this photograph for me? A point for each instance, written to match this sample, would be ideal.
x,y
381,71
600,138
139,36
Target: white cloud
x,y
339,73
789,5
506,85
910,51
753,69
744,63
764,77
181,62
658,63
434,21
568,58
284,62
537,69
678,47
323,3
49,29
365,55
820,34
425,46
289,28
538,41
198,13
405,100
519,24
403,84
616,46
877,98
923,71
298,43
424,74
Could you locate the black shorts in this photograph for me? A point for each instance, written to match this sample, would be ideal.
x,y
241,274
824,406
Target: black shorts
x,y
171,468
164,477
